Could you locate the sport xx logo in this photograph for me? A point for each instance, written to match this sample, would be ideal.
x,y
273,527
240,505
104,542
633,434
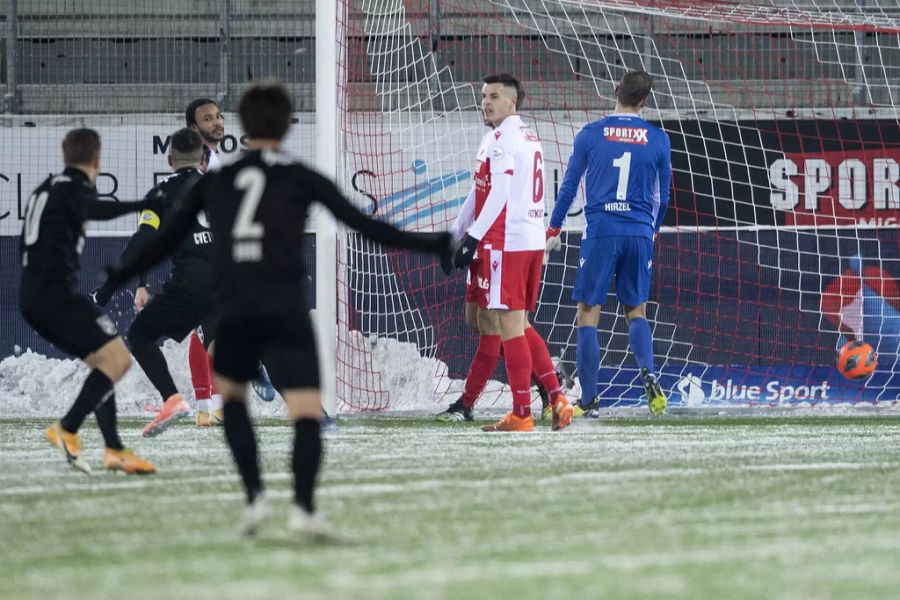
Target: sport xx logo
x,y
630,135
495,264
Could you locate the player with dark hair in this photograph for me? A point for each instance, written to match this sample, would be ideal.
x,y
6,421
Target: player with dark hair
x,y
489,348
504,245
52,239
257,207
185,300
627,166
204,116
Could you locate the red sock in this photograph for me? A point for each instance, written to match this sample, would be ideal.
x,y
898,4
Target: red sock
x,y
486,358
212,380
198,359
542,364
518,372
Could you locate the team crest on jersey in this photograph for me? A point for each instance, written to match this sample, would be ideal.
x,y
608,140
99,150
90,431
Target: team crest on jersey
x,y
497,152
629,135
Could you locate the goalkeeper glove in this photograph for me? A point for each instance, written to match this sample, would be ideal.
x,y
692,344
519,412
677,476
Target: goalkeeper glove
x,y
554,241
465,253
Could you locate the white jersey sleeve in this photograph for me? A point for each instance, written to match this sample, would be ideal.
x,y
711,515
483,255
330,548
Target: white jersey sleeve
x,y
512,215
466,216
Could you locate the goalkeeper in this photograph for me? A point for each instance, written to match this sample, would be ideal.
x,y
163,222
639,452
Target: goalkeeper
x,y
626,163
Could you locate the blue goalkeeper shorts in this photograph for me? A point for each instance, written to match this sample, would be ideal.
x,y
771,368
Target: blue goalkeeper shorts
x,y
628,258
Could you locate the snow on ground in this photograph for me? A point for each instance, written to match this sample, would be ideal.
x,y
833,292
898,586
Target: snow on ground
x,y
396,378
387,374
32,385
736,509
380,374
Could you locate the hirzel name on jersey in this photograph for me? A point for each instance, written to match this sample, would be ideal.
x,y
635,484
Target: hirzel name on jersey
x,y
630,135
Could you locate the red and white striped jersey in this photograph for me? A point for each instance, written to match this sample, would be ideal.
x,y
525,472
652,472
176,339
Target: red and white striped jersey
x,y
509,189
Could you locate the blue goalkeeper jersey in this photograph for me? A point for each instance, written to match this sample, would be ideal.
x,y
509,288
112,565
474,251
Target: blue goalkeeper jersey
x,y
627,168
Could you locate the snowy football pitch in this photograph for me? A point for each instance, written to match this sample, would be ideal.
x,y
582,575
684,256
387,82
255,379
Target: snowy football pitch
x,y
677,508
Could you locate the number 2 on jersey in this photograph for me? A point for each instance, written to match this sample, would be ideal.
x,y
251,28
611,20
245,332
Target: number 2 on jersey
x,y
623,163
247,233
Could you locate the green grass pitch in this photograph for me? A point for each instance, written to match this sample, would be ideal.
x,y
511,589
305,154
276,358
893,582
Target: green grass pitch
x,y
630,508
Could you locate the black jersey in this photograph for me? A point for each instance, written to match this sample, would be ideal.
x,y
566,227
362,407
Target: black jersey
x,y
53,231
257,207
192,259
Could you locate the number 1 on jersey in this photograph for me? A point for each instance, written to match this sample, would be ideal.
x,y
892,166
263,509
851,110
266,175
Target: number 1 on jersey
x,y
247,233
623,163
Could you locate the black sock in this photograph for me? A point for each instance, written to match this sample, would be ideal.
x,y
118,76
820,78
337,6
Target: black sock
x,y
242,441
150,357
305,461
106,421
95,390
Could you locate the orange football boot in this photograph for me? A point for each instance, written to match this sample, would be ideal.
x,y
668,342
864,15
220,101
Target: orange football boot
x,y
127,461
511,423
70,444
173,409
562,413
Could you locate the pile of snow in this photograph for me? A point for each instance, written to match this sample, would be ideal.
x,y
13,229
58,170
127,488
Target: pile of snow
x,y
376,374
32,385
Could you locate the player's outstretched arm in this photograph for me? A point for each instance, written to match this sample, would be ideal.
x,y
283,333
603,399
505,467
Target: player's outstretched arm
x,y
327,193
163,243
103,210
103,294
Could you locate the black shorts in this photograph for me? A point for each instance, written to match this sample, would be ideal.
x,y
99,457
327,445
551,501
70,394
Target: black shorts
x,y
173,313
70,322
282,339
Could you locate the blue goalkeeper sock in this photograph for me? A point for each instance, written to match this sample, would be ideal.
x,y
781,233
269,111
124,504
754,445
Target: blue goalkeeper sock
x,y
587,357
641,340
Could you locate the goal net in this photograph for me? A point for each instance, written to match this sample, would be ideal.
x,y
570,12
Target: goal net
x,y
781,240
